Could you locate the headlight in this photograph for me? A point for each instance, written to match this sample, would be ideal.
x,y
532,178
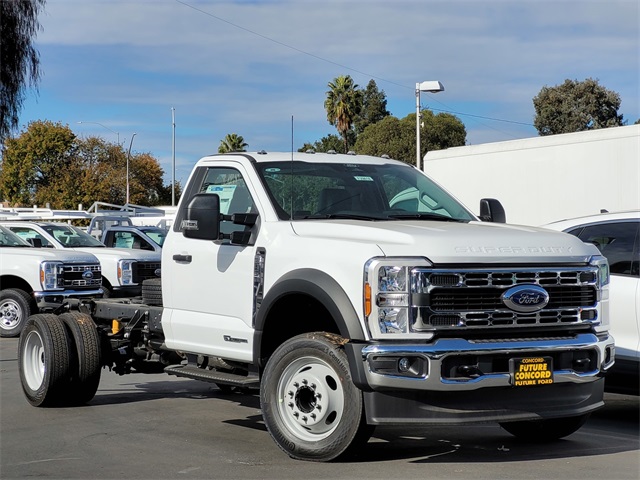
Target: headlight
x,y
51,276
602,284
603,269
125,272
387,287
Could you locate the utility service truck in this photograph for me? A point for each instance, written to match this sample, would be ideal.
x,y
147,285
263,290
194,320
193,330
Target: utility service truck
x,y
349,291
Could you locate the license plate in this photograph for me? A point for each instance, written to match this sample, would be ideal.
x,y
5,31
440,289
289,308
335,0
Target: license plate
x,y
531,371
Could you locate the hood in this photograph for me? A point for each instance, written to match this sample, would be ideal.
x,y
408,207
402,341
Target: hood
x,y
43,254
124,253
450,242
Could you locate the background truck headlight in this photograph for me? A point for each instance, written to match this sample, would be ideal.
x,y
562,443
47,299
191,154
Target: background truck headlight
x,y
125,272
51,276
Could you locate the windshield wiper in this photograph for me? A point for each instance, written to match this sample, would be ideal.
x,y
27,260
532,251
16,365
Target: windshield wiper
x,y
346,216
424,216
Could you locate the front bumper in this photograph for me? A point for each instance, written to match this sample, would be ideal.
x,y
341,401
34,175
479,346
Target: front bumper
x,y
466,381
52,300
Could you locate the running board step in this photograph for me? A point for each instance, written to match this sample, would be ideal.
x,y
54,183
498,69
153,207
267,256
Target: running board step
x,y
214,376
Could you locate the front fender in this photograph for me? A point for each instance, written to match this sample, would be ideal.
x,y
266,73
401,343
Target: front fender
x,y
321,287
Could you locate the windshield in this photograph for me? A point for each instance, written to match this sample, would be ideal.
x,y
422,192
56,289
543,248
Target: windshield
x,y
156,234
301,190
71,237
10,239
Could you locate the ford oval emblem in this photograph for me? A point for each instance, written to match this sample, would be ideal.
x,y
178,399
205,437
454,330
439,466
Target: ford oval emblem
x,y
87,275
526,298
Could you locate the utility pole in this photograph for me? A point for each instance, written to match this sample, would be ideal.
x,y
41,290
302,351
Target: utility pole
x,y
173,158
128,158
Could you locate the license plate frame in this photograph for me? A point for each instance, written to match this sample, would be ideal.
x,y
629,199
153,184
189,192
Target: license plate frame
x,y
531,371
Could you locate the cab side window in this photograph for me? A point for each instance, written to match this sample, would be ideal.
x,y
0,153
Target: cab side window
x,y
618,241
231,187
27,234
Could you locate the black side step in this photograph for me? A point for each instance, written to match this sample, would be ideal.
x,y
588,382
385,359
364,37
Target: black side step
x,y
213,376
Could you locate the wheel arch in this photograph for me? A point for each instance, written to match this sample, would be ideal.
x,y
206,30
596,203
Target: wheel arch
x,y
308,292
13,281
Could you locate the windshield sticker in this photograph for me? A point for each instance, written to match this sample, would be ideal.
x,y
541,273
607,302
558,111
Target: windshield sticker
x,y
364,179
272,170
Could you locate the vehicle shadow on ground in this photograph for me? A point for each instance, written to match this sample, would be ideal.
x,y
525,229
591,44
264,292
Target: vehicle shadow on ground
x,y
613,429
142,391
442,444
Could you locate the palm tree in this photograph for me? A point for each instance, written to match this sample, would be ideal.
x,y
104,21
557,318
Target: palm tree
x,y
343,105
232,143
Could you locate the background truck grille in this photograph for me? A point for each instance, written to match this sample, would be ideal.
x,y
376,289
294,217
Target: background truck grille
x,y
75,278
452,299
145,270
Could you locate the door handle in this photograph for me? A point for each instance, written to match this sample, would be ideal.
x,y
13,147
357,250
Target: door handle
x,y
182,258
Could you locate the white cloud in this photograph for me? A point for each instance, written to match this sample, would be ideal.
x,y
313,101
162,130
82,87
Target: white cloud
x,y
247,67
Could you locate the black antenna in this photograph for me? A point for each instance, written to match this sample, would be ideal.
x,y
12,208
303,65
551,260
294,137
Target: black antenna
x,y
291,197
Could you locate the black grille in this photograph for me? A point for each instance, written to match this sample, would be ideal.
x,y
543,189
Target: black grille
x,y
145,270
470,299
74,277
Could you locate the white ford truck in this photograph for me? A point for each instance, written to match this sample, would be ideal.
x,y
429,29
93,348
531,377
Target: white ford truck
x,y
352,291
123,269
38,280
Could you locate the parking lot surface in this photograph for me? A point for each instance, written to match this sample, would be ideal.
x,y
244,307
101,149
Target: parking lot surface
x,y
155,426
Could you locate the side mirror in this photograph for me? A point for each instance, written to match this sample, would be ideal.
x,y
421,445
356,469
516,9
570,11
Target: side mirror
x,y
35,242
202,220
491,210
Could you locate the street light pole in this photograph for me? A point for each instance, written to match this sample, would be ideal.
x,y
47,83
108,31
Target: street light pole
x,y
128,158
432,86
104,126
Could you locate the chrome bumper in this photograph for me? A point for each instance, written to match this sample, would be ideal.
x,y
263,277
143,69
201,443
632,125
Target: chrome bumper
x,y
55,299
430,358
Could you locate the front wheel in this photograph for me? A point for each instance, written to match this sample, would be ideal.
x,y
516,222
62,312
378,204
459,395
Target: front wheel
x,y
309,403
545,430
15,307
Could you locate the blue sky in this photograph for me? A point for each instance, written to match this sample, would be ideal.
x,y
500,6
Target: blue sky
x,y
248,67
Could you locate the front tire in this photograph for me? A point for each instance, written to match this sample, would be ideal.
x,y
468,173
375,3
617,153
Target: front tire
x,y
44,360
545,430
15,308
309,404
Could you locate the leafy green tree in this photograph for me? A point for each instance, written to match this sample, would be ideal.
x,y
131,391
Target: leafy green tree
x,y
328,143
232,143
440,131
35,161
397,138
390,136
576,106
48,164
343,105
374,107
19,60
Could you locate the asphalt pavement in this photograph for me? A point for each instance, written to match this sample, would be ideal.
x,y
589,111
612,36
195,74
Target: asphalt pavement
x,y
155,426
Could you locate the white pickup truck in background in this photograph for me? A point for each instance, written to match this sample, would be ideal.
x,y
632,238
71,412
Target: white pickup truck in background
x,y
123,269
36,280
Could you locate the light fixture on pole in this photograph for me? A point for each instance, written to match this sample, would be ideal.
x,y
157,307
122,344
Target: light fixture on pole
x,y
128,158
104,126
431,86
